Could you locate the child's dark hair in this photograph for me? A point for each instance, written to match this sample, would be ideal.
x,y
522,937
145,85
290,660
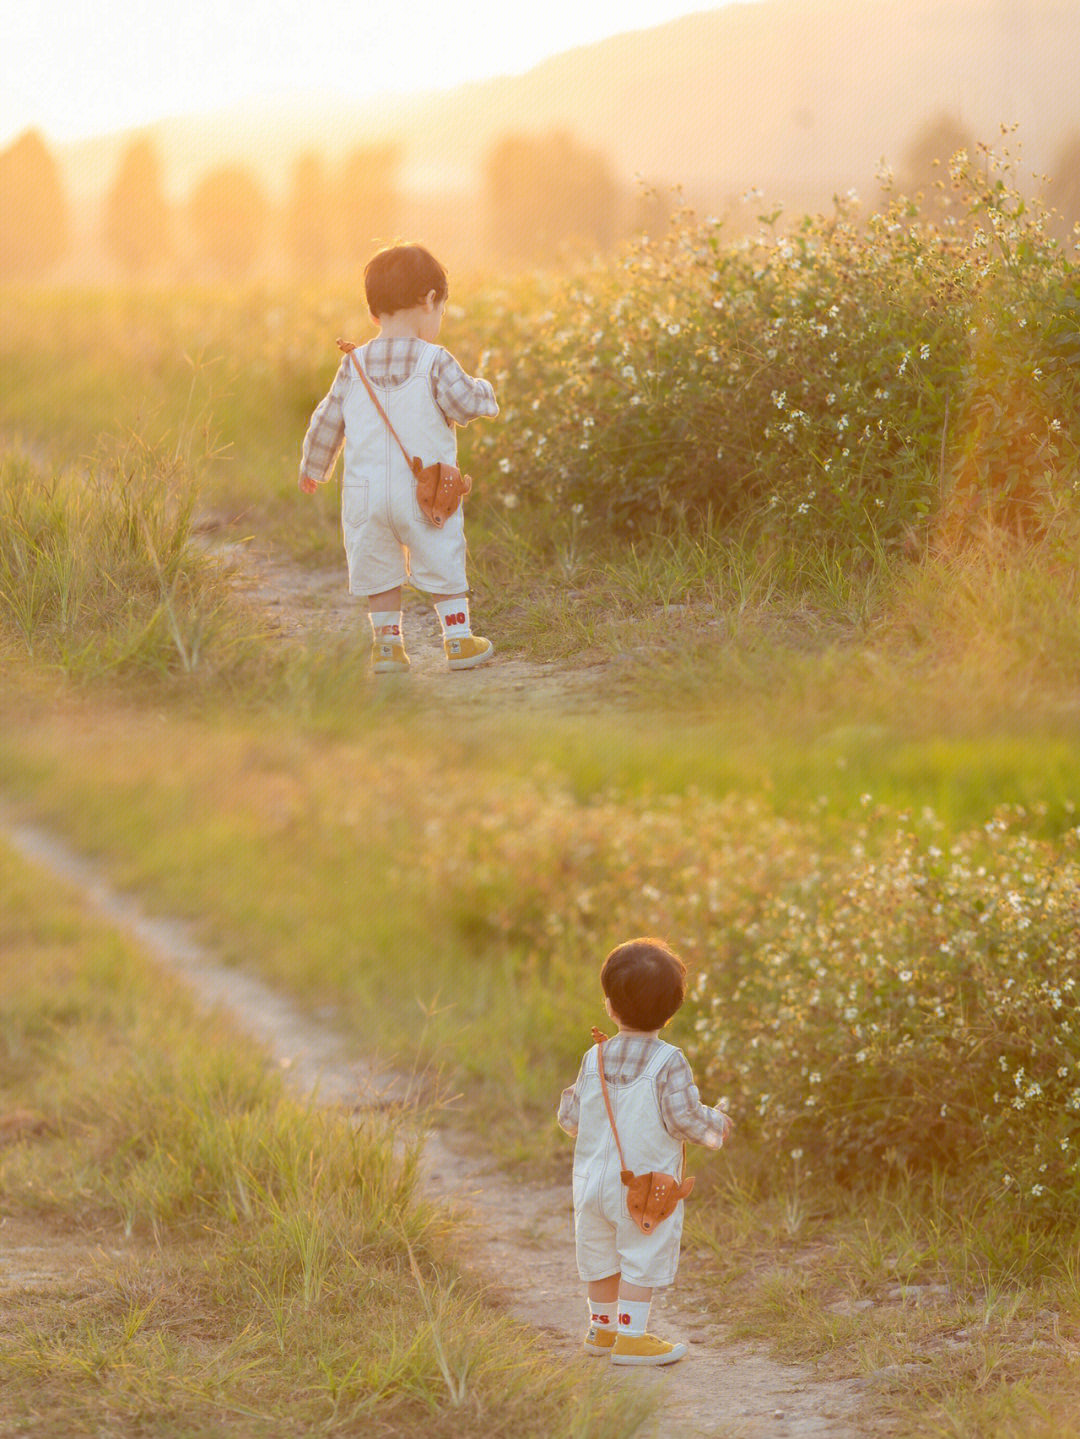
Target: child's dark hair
x,y
399,277
645,981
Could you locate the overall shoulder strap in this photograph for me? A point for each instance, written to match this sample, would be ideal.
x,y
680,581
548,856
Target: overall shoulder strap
x,y
409,460
659,1057
428,356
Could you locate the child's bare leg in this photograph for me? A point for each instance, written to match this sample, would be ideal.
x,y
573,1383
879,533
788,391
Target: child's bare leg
x,y
605,1291
387,600
635,1293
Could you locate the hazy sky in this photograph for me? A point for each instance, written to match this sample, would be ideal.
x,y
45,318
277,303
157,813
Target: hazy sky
x,y
74,69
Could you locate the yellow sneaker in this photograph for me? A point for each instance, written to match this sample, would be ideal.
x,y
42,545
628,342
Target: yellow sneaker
x,y
645,1349
388,657
599,1341
466,653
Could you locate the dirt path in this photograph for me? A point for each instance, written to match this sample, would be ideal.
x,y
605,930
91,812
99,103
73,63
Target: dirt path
x,y
306,603
517,1236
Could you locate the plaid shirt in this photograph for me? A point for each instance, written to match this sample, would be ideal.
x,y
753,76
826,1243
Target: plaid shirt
x,y
391,362
685,1117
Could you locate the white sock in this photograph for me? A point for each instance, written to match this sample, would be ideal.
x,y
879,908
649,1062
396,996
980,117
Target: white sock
x,y
454,618
603,1313
386,625
633,1316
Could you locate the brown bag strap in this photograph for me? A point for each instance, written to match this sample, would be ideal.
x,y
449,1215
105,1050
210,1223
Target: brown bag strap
x,y
412,464
600,1037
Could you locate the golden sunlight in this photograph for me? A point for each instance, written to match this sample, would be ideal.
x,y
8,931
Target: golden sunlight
x,y
147,63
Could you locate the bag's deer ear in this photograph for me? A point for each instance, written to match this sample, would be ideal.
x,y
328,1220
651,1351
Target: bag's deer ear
x,y
345,346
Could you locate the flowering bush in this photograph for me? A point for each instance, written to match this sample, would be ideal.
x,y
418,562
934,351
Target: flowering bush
x,y
842,384
898,999
917,1009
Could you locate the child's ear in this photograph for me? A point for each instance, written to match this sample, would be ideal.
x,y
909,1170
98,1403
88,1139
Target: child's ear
x,y
429,301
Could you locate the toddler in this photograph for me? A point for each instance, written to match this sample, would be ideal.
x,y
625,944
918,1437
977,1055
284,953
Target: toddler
x,y
425,393
657,1109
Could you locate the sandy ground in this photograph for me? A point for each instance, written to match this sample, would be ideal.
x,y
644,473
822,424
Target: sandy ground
x,y
517,1235
302,602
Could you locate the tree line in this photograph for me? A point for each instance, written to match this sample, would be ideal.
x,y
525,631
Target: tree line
x,y
543,198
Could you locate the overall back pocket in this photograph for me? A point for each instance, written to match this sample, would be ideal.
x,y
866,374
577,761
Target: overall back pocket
x,y
354,505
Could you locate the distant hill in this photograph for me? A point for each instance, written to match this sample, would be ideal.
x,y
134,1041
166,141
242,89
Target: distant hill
x,y
796,97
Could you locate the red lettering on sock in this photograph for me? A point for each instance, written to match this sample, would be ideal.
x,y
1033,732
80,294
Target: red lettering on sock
x,y
624,1319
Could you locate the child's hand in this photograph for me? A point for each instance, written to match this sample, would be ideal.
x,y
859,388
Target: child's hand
x,y
308,485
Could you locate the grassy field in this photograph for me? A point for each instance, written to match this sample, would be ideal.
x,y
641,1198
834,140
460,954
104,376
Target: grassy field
x,y
236,1261
832,754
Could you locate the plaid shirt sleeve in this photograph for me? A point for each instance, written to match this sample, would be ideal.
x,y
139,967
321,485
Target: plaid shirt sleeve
x,y
570,1106
326,431
458,395
684,1115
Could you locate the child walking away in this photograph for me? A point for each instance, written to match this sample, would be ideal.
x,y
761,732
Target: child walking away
x,y
632,1109
422,392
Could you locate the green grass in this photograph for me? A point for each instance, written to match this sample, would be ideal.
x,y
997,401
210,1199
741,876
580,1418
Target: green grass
x,y
99,578
957,1322
233,1256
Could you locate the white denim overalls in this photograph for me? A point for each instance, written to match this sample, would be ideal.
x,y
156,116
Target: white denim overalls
x,y
607,1239
387,540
